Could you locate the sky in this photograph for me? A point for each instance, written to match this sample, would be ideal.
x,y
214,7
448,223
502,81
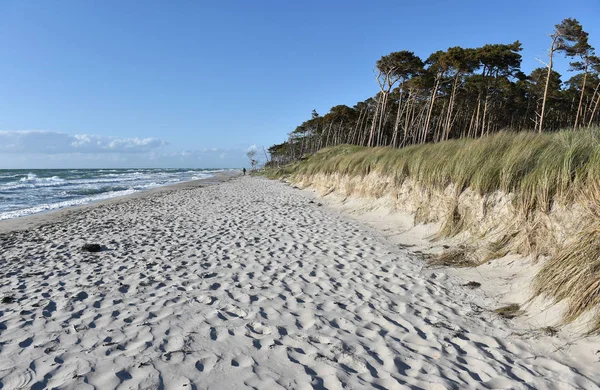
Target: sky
x,y
94,84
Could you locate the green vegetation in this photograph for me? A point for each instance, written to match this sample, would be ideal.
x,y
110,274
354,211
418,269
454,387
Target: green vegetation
x,y
460,93
537,168
573,273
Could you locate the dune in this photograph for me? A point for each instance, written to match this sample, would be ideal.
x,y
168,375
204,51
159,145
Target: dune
x,y
251,283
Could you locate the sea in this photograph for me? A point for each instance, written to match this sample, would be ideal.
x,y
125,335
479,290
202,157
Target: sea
x,y
26,192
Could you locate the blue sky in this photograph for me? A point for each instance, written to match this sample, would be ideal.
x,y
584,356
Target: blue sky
x,y
194,83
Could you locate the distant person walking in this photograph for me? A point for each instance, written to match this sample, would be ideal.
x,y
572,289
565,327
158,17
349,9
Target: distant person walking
x,y
244,170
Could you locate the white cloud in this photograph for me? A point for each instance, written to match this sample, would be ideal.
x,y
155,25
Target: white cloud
x,y
52,142
50,149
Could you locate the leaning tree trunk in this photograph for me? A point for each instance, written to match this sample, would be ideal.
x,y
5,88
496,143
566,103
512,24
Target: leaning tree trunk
x,y
428,120
382,115
373,124
472,124
595,108
485,108
476,128
450,108
407,117
364,131
541,125
439,125
397,121
328,132
581,97
354,133
420,118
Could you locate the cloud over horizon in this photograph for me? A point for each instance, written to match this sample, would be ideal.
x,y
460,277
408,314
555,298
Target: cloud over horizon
x,y
53,142
51,149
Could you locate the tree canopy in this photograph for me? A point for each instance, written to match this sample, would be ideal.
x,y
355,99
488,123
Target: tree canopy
x,y
460,92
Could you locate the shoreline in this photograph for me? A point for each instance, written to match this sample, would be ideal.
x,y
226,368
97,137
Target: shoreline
x,y
52,216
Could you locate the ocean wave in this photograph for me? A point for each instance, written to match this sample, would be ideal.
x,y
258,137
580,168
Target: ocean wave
x,y
32,177
59,205
55,181
33,181
26,194
102,180
148,186
97,190
9,176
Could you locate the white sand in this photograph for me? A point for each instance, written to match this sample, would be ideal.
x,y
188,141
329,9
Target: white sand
x,y
248,284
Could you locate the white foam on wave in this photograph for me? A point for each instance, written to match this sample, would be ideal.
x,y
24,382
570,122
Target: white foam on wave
x,y
33,181
59,205
33,178
135,183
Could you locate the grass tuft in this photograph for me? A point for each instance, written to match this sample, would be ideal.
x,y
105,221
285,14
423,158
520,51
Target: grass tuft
x,y
573,274
454,222
549,331
501,247
459,257
509,311
472,285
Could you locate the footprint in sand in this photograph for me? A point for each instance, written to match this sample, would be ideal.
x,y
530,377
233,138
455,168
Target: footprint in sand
x,y
259,328
317,339
26,343
305,320
18,379
233,311
344,324
206,363
351,362
206,299
242,361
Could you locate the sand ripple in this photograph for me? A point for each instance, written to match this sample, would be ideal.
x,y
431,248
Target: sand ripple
x,y
246,284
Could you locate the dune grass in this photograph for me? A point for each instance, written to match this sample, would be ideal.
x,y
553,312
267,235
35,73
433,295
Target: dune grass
x,y
539,170
573,273
459,257
509,311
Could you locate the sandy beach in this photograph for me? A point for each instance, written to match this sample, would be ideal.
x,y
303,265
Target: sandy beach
x,y
249,283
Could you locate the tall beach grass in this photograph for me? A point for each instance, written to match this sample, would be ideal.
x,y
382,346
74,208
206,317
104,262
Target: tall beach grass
x,y
537,168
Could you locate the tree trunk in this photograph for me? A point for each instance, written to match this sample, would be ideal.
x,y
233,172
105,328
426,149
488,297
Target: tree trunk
x,y
428,120
547,84
485,107
439,126
450,108
355,132
373,124
595,106
382,115
364,130
406,119
476,128
581,96
397,121
471,124
328,132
